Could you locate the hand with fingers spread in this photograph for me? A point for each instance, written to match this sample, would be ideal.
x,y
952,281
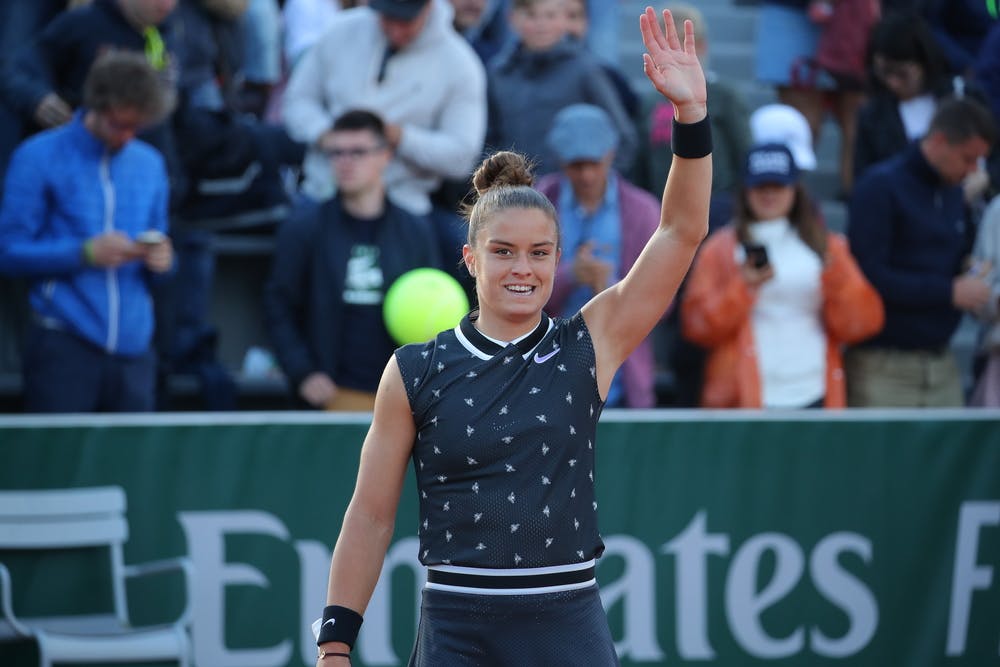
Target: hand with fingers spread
x,y
674,68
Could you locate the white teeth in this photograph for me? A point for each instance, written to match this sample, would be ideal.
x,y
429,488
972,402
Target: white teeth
x,y
524,289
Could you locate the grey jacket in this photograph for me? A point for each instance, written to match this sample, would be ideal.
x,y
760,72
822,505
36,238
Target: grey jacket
x,y
527,89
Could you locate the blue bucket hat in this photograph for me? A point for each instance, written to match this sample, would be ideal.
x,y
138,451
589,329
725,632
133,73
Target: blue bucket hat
x,y
582,132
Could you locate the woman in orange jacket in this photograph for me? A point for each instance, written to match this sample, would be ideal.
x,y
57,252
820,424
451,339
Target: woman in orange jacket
x,y
774,296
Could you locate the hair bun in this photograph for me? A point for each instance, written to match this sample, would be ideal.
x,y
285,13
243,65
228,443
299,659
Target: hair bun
x,y
502,169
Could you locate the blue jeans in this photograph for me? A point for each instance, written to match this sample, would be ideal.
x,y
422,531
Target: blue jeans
x,y
63,373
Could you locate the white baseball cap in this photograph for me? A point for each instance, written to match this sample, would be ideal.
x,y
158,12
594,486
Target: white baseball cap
x,y
784,124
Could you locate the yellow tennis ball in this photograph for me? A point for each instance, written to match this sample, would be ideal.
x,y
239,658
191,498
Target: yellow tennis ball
x,y
421,303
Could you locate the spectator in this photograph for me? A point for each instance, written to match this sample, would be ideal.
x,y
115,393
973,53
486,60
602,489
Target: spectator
x,y
484,25
909,230
909,76
332,265
543,73
407,64
986,392
44,82
774,296
84,217
784,124
605,222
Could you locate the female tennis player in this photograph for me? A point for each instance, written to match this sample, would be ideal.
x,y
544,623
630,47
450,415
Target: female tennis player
x,y
499,416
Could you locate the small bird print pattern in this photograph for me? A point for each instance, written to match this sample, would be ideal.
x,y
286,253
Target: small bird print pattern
x,y
504,454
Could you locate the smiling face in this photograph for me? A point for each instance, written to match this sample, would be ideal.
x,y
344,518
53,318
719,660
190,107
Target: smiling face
x,y
514,263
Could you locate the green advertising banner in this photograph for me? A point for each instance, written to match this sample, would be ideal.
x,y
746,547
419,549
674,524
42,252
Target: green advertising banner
x,y
869,539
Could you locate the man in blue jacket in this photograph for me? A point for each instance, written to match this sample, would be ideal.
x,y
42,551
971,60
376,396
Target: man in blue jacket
x,y
910,234
84,217
332,266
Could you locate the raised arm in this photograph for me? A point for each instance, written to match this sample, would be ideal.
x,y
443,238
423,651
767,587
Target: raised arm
x,y
620,317
371,514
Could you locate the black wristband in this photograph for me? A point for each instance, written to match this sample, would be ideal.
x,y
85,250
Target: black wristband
x,y
691,140
340,624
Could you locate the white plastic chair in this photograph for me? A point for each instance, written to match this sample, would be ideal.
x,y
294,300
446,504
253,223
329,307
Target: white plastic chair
x,y
85,518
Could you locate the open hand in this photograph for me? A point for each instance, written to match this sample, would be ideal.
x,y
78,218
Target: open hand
x,y
673,69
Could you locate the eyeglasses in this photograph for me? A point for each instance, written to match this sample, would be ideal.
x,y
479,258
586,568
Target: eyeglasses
x,y
352,153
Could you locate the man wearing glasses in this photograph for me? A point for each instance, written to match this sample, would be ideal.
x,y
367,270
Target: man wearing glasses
x,y
84,218
332,265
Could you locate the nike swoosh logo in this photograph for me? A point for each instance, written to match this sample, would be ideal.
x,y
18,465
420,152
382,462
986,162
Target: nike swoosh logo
x,y
331,621
542,360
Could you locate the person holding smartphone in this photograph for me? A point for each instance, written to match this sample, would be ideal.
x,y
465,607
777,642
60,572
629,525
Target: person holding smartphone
x,y
84,221
774,295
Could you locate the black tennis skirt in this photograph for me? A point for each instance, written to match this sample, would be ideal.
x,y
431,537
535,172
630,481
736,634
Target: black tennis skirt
x,y
560,629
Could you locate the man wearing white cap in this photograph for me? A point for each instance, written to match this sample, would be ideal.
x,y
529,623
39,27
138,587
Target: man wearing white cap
x,y
604,221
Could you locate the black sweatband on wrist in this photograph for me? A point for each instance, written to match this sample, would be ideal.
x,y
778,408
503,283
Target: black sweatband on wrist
x,y
691,140
340,624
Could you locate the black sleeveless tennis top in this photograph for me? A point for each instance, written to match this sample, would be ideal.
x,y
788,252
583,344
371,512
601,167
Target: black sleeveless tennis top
x,y
504,454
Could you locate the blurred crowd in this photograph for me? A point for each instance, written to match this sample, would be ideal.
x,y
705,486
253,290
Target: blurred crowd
x,y
133,132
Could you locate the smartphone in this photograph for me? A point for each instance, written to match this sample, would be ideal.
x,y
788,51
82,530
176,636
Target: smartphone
x,y
756,255
150,237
